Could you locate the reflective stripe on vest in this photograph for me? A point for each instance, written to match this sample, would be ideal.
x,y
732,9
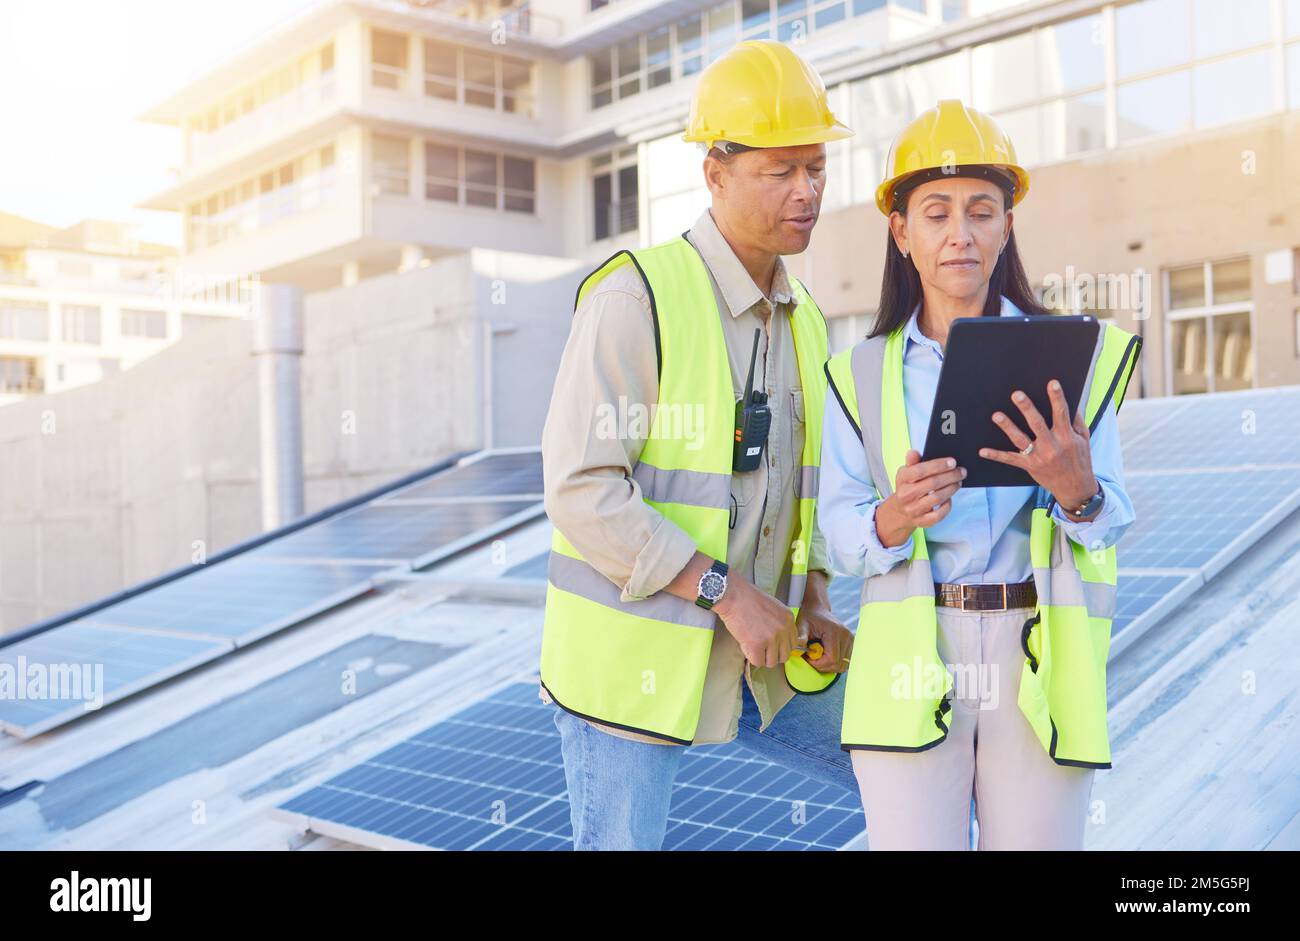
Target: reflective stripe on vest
x,y
641,665
899,690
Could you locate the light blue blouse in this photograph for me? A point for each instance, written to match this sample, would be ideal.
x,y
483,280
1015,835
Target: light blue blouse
x,y
985,536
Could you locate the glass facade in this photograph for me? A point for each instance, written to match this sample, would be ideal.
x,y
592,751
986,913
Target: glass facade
x,y
680,49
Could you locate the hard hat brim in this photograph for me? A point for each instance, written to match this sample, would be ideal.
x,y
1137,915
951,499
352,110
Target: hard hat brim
x,y
792,138
885,191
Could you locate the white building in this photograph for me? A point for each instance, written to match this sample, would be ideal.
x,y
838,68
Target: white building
x,y
367,136
80,303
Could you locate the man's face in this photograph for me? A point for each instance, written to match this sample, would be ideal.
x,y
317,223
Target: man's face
x,y
770,198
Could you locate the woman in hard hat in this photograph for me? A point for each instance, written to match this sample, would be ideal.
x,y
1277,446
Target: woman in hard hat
x,y
978,670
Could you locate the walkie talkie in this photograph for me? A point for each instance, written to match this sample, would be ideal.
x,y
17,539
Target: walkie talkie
x,y
753,419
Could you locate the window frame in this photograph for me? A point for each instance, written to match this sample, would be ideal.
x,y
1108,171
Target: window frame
x,y
1207,311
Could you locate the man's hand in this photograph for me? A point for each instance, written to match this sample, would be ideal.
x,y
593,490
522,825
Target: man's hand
x,y
763,627
817,622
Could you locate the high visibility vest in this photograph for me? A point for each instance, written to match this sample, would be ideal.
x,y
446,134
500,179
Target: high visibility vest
x,y
897,697
641,665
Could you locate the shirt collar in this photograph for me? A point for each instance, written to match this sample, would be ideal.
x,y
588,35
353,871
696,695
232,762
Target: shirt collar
x,y
739,291
913,329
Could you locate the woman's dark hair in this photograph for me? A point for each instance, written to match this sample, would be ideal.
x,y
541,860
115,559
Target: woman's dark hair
x,y
900,288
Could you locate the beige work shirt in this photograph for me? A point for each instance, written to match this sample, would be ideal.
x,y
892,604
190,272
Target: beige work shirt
x,y
593,500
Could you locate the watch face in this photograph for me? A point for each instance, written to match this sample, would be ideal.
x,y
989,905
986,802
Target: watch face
x,y
711,586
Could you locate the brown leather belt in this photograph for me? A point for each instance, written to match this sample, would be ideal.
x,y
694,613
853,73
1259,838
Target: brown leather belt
x,y
998,597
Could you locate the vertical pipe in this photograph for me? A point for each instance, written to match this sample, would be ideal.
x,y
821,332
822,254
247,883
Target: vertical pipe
x,y
277,344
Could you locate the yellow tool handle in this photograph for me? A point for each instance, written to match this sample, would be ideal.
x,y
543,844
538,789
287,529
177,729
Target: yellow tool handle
x,y
814,651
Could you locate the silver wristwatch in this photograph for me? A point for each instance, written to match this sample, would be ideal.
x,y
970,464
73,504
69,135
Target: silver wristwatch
x,y
713,583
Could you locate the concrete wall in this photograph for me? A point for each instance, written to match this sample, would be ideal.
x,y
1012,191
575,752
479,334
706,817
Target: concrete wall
x,y
107,484
110,484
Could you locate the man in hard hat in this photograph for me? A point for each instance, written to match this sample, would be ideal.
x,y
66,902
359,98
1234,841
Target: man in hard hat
x,y
675,569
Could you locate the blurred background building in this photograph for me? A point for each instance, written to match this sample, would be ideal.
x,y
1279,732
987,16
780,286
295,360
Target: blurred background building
x,y
84,302
436,177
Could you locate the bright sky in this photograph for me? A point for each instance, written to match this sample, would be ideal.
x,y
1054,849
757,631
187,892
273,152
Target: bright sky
x,y
74,74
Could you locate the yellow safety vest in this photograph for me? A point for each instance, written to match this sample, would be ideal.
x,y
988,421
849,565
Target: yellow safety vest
x,y
641,665
897,697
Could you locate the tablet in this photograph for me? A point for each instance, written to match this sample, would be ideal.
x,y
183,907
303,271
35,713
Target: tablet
x,y
986,359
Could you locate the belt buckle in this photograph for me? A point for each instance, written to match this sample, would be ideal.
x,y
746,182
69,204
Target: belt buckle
x,y
1002,585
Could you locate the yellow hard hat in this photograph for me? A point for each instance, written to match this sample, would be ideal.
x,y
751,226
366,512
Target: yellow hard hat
x,y
761,94
947,136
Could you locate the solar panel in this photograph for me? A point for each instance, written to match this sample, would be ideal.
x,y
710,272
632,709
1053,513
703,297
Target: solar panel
x,y
1257,427
492,777
395,534
241,599
1187,520
130,660
496,475
1208,476
1139,594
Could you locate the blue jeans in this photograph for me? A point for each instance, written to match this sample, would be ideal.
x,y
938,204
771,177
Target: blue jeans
x,y
620,790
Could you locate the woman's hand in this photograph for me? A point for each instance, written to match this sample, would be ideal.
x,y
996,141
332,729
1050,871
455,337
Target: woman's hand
x,y
922,496
1061,461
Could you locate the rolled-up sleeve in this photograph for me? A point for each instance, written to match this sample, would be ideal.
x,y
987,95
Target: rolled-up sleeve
x,y
846,510
595,428
1117,513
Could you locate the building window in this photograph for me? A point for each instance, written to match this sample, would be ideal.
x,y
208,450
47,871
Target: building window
x,y
481,79
261,200
472,177
482,180
392,164
304,81
81,324
516,86
1165,87
441,70
24,320
520,184
1209,312
151,324
387,59
684,47
19,375
614,193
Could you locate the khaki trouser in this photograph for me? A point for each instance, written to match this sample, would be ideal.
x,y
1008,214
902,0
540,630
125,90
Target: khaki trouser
x,y
1023,799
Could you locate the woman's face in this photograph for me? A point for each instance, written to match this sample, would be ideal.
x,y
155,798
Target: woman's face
x,y
954,231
